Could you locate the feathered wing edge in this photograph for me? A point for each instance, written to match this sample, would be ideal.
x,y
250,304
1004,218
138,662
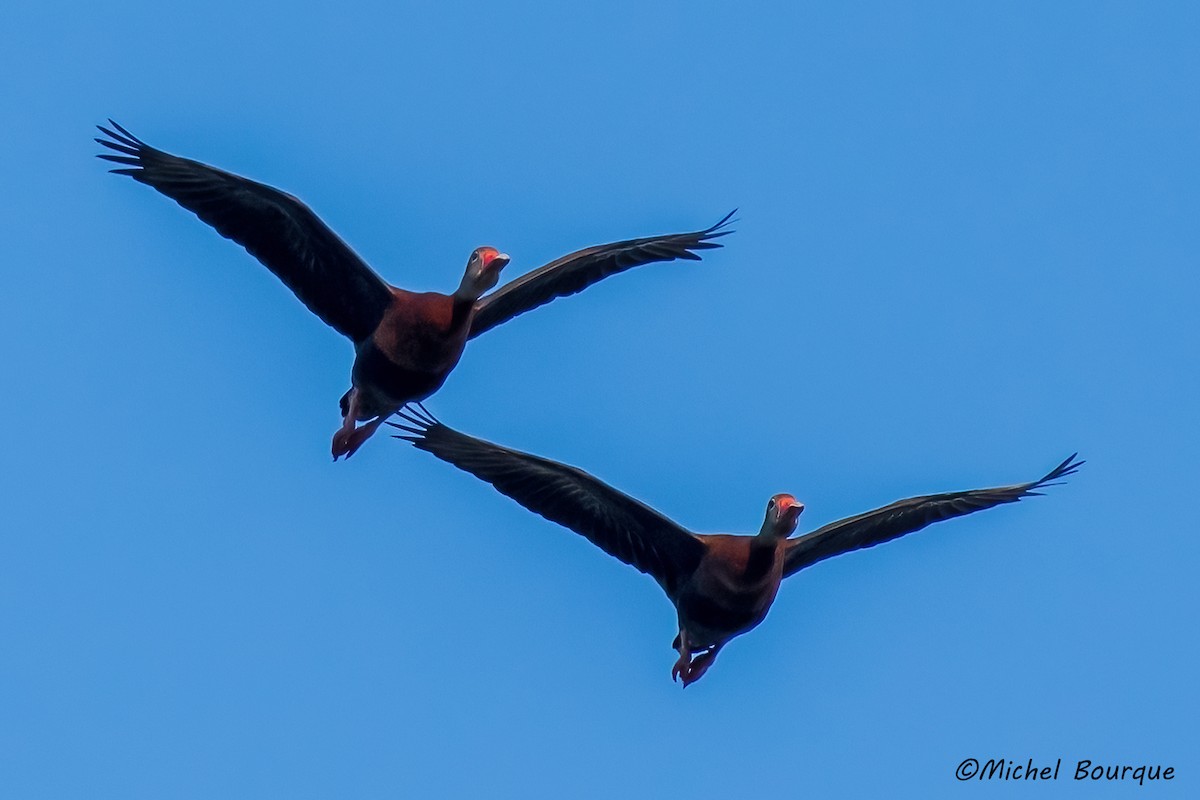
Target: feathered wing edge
x,y
616,523
273,226
910,515
576,271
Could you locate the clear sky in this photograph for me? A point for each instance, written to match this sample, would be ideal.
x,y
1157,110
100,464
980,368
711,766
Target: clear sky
x,y
967,247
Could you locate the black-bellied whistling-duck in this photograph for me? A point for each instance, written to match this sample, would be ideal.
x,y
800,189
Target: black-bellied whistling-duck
x,y
406,343
722,585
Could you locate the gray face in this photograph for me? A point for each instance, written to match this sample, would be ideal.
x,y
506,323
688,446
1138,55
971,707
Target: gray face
x,y
783,511
483,271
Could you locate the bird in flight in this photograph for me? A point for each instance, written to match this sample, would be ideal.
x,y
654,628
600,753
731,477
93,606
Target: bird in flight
x,y
406,343
721,585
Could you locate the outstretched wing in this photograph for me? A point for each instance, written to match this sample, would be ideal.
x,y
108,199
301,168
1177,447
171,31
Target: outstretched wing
x,y
579,270
907,516
273,226
614,522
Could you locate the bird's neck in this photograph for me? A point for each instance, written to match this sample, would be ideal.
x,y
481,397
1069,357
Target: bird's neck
x,y
461,309
470,288
767,532
762,555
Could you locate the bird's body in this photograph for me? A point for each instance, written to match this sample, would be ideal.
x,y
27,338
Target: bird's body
x,y
406,343
722,585
731,589
410,353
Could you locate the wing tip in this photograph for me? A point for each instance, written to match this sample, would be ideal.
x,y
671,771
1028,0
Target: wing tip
x,y
418,422
122,141
1069,466
715,231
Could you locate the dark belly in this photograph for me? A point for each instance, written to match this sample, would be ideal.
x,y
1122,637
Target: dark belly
x,y
714,622
385,385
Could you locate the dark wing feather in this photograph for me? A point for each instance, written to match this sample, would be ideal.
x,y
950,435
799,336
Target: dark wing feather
x,y
614,522
273,226
907,516
579,270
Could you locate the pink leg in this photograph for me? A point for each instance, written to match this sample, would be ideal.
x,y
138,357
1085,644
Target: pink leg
x,y
364,432
683,665
341,439
700,665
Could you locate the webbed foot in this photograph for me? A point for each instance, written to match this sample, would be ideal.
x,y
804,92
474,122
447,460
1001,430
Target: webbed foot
x,y
346,442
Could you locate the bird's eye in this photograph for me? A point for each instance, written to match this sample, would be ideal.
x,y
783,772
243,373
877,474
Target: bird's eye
x,y
771,504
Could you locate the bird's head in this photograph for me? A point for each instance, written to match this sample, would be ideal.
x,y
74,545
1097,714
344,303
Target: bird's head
x,y
783,511
483,272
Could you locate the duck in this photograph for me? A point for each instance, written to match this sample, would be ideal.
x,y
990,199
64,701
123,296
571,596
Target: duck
x,y
405,343
722,585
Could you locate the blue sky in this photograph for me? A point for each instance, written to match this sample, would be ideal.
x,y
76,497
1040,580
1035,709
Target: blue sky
x,y
967,247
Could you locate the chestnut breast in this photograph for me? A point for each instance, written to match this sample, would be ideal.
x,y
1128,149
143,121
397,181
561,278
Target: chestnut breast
x,y
732,589
417,343
423,331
